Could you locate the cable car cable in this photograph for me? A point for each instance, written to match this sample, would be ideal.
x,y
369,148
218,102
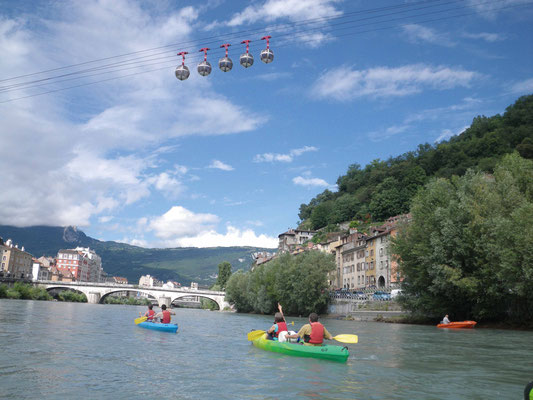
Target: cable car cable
x,y
279,45
329,27
313,20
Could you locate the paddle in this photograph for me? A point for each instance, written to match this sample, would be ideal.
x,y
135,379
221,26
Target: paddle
x,y
253,335
139,320
346,338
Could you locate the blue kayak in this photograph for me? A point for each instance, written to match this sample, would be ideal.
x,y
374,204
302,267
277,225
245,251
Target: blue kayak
x,y
159,327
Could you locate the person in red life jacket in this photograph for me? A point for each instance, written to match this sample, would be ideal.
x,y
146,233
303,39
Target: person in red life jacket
x,y
164,315
313,333
149,314
279,325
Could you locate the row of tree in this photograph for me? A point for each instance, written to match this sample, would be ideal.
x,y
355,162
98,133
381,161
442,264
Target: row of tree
x,y
24,291
299,283
385,188
468,251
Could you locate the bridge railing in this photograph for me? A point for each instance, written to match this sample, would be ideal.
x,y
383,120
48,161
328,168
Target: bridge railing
x,y
132,287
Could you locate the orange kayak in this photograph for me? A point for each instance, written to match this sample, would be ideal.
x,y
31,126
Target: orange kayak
x,y
459,324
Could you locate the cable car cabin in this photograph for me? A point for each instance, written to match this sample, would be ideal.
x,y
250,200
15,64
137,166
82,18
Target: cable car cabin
x,y
204,68
267,56
247,60
225,64
182,72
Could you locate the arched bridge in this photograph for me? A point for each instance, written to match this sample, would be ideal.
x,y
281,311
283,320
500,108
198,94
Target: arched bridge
x,y
96,292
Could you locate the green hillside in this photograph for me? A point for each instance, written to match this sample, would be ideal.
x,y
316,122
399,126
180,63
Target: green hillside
x,y
119,259
385,188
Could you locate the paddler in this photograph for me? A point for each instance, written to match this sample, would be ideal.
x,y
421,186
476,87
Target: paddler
x,y
149,314
164,315
313,333
280,325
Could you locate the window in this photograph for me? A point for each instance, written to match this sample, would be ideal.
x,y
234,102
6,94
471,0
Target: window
x,y
381,251
371,253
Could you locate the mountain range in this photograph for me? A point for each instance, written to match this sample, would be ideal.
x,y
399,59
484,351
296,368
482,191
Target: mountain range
x,y
184,264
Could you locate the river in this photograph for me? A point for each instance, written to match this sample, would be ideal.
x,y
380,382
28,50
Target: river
x,y
56,350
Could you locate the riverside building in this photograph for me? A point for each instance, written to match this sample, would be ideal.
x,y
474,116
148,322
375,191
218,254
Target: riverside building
x,y
15,262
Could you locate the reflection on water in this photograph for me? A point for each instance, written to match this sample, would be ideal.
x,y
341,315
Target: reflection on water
x,y
70,350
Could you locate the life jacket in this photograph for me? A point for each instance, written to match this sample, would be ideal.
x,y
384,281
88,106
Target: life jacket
x,y
317,333
150,315
282,326
166,317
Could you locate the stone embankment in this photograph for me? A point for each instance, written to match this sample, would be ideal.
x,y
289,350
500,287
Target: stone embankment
x,y
366,310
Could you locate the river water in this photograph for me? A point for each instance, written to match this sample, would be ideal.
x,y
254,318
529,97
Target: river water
x,y
52,350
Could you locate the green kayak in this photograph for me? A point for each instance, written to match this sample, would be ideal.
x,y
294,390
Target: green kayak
x,y
326,352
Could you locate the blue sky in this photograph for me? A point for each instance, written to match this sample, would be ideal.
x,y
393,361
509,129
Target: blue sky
x,y
131,154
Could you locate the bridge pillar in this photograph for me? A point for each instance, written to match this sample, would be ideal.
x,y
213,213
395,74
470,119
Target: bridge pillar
x,y
164,300
94,297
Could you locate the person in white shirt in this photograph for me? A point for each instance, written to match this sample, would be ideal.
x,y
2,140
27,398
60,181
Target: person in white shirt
x,y
445,320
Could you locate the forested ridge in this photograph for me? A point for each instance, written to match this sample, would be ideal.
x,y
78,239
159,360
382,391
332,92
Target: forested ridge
x,y
385,188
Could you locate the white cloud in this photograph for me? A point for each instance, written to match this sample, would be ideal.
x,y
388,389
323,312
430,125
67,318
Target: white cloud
x,y
271,11
216,164
294,10
490,9
178,221
104,219
180,227
522,87
301,181
344,83
272,157
418,33
255,223
447,134
488,37
81,152
167,184
232,237
135,242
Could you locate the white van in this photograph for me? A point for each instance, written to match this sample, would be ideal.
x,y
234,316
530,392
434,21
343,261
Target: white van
x,y
395,292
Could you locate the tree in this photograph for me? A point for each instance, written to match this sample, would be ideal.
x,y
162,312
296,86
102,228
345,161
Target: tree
x,y
224,272
468,251
321,214
237,291
387,201
298,282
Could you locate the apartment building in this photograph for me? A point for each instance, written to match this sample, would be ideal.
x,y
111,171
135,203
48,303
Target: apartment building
x,y
39,271
84,264
364,261
289,240
15,262
94,263
75,262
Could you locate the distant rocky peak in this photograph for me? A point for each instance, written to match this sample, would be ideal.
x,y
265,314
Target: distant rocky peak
x,y
72,235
